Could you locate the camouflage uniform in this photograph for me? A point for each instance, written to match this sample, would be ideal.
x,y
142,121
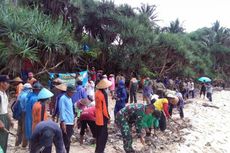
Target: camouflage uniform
x,y
131,114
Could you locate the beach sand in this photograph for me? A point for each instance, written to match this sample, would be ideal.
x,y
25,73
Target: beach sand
x,y
204,130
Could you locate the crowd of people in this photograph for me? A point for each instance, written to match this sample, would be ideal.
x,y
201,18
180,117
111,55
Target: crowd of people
x,y
86,106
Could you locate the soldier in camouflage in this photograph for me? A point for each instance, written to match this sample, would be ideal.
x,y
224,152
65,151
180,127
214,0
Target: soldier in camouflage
x,y
129,115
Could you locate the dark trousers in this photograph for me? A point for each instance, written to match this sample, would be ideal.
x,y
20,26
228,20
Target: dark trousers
x,y
91,125
209,96
162,122
67,136
180,111
192,92
133,96
202,92
102,136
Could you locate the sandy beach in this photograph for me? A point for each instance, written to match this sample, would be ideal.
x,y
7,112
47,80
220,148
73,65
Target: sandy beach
x,y
204,130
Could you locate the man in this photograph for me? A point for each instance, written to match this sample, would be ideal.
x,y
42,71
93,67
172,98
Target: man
x,y
31,78
90,89
46,133
93,74
61,91
66,110
133,87
87,117
129,115
79,94
209,91
102,114
191,88
121,97
178,101
5,119
32,98
39,109
22,100
19,86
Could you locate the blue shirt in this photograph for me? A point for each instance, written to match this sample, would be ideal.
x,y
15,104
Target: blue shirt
x,y
79,94
66,110
23,98
32,98
38,139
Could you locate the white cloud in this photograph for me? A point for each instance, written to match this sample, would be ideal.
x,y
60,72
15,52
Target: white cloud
x,y
193,13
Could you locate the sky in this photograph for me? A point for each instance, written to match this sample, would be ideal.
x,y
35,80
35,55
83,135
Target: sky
x,y
193,14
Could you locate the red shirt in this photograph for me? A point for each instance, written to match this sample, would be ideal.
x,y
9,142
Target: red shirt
x,y
88,114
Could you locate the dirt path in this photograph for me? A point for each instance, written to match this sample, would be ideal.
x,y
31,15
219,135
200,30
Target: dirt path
x,y
205,130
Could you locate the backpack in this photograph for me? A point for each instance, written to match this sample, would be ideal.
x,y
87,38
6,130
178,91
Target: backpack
x,y
16,110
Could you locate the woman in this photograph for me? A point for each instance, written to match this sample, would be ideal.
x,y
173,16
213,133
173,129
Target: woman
x,y
39,111
102,114
203,90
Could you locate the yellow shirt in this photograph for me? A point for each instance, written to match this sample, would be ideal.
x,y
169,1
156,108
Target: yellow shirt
x,y
159,103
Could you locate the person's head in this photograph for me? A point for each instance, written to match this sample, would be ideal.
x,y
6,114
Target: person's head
x,y
44,94
154,97
30,75
104,84
27,86
61,87
37,87
121,83
149,109
172,99
70,90
17,81
93,68
4,82
79,83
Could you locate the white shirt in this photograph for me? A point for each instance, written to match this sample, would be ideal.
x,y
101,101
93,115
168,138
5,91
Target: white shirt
x,y
90,88
3,103
192,86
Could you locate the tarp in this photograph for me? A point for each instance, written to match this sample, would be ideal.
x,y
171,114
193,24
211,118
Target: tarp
x,y
69,78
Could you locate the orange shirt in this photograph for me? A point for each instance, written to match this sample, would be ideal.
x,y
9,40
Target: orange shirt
x,y
18,89
101,108
36,114
31,81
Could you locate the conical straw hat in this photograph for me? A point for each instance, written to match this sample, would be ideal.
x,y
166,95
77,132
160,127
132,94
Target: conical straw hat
x,y
62,87
103,84
44,94
17,79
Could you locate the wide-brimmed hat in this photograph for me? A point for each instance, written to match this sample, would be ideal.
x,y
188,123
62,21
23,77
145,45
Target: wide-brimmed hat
x,y
17,79
4,78
174,99
44,94
62,87
103,84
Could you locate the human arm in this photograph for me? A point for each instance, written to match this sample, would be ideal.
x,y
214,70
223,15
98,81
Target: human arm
x,y
1,125
62,113
165,108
